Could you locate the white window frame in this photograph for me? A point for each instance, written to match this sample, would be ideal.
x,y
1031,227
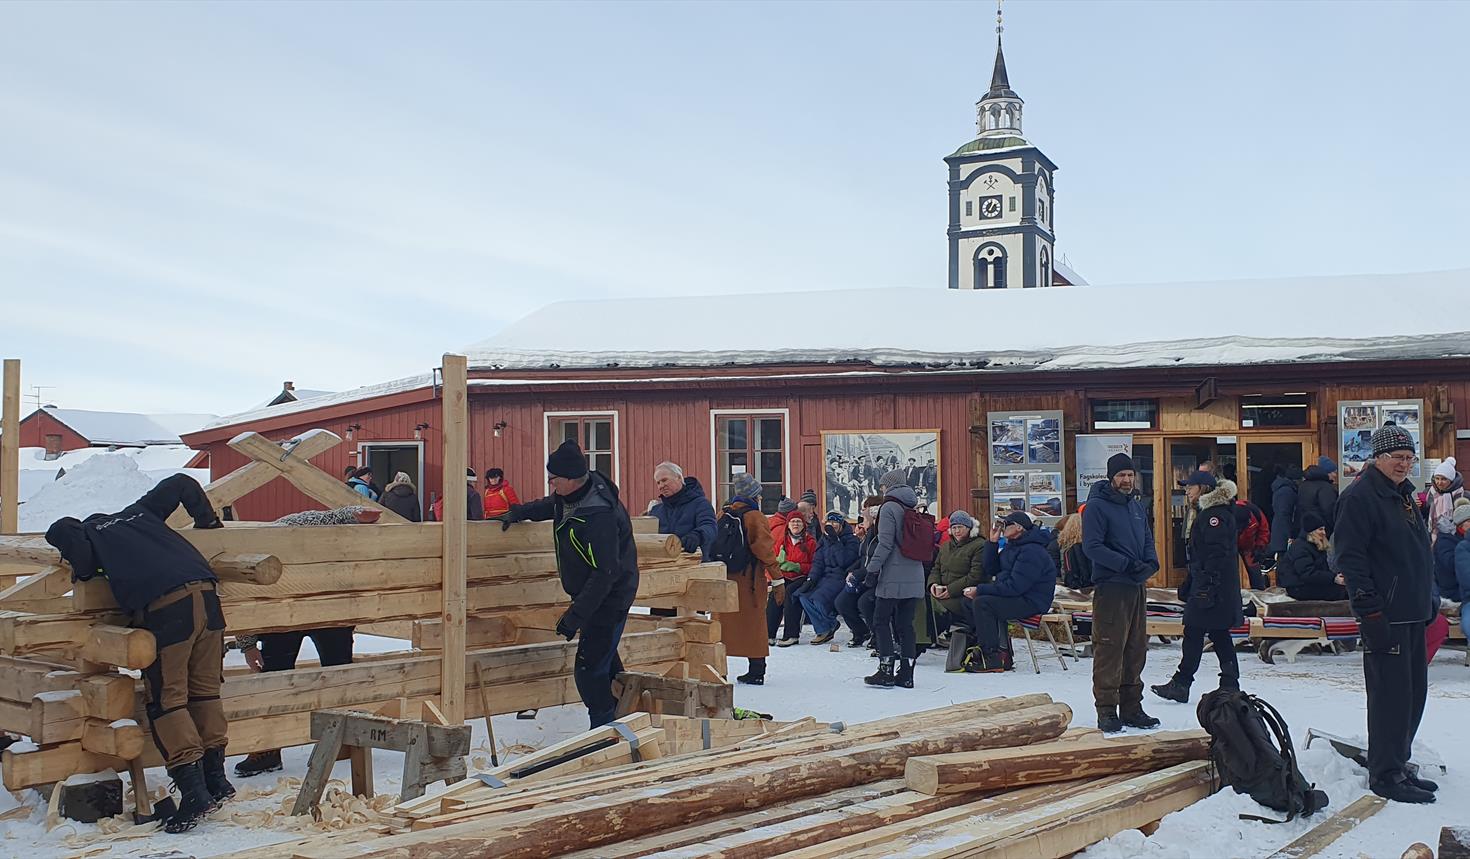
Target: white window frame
x,y
617,451
716,414
364,459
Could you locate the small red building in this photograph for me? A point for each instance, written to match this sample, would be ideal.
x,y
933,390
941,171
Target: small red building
x,y
61,430
803,389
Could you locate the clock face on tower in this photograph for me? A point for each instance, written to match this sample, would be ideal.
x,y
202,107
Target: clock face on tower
x,y
990,208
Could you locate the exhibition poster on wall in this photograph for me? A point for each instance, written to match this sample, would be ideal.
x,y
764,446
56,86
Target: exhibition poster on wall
x,y
1093,453
1027,467
1357,420
856,459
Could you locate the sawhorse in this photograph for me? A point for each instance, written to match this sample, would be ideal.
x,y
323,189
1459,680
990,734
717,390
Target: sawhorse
x,y
432,750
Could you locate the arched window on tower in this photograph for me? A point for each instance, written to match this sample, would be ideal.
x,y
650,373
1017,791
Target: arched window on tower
x,y
1045,268
990,266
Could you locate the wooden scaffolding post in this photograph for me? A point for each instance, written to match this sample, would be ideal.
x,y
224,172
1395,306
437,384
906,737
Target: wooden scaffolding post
x,y
10,451
456,437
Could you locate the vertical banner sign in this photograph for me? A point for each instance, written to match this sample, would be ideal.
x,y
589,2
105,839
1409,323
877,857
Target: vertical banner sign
x,y
1028,464
1093,453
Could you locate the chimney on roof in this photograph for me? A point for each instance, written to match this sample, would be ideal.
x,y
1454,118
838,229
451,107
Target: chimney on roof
x,y
288,386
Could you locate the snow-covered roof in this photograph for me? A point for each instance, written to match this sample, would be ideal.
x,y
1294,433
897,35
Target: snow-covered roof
x,y
294,395
1153,325
367,392
128,428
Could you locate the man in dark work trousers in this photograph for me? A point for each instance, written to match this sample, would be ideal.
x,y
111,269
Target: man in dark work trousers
x,y
168,586
598,564
1383,554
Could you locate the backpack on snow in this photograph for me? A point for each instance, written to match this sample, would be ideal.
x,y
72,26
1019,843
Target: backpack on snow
x,y
730,545
1251,749
1255,535
915,534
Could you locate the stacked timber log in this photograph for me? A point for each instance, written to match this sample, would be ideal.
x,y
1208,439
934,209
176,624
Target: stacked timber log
x,y
1003,777
64,647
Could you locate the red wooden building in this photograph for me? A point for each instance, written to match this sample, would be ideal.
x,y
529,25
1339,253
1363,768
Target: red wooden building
x,y
722,394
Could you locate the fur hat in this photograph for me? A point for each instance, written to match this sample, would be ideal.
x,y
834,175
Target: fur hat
x,y
744,485
1446,469
1119,462
960,517
1391,438
785,505
567,461
400,479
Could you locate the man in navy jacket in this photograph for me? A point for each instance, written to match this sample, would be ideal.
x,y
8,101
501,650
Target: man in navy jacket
x,y
1116,539
1024,580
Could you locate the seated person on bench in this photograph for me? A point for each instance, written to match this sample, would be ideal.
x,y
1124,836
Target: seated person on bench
x,y
1024,581
168,586
1303,569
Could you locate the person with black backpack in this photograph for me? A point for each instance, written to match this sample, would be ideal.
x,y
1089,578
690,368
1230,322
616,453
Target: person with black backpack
x,y
905,543
1211,589
1383,554
743,543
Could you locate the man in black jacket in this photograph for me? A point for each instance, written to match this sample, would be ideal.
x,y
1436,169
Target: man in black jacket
x,y
598,563
168,586
1383,553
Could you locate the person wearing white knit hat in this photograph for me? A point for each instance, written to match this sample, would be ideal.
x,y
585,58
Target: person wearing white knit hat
x,y
1439,503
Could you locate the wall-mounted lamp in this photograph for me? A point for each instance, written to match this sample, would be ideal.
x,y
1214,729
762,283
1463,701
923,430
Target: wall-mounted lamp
x,y
352,430
499,425
418,429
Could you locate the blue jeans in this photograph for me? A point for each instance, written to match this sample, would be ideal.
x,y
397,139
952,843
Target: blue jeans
x,y
819,611
596,666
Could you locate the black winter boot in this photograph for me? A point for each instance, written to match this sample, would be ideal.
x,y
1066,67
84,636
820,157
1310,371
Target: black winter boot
x,y
256,763
194,799
1174,690
904,678
1401,791
756,676
213,764
883,677
1108,721
1133,716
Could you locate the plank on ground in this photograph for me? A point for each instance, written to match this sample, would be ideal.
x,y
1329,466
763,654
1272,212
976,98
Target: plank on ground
x,y
1051,762
1321,836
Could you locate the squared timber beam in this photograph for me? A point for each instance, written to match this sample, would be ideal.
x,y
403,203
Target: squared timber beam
x,y
314,482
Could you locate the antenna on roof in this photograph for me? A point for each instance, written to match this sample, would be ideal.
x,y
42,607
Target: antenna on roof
x,y
999,17
36,397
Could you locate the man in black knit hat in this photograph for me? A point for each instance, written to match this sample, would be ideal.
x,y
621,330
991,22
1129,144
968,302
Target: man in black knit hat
x,y
1116,538
598,564
1383,554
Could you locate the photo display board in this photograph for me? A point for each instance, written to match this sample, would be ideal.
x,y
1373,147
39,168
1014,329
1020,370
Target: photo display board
x,y
854,460
1027,464
1357,420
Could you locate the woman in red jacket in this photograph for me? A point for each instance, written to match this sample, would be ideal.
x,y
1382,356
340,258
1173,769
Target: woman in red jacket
x,y
499,495
794,553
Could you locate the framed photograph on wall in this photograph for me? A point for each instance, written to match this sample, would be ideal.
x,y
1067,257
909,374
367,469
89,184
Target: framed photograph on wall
x,y
854,460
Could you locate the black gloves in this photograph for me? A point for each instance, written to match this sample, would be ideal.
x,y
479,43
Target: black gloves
x,y
568,625
510,517
690,542
212,523
1377,637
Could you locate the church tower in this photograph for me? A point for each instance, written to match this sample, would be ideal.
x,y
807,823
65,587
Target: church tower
x,y
1000,197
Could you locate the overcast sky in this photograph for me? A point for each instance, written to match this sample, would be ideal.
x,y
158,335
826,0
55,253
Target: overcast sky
x,y
201,200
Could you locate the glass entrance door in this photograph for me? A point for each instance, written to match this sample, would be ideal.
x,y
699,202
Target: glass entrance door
x,y
1266,458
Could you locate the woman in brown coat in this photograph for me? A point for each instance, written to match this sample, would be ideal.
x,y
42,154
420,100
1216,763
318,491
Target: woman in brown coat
x,y
744,631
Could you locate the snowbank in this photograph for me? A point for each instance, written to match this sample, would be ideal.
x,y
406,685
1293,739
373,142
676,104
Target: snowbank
x,y
96,481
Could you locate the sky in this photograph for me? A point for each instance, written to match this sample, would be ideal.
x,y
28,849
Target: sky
x,y
199,201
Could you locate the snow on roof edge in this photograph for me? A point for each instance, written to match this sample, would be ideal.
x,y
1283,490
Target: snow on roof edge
x,y
366,392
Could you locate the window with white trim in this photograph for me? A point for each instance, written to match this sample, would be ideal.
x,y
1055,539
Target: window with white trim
x,y
595,433
754,444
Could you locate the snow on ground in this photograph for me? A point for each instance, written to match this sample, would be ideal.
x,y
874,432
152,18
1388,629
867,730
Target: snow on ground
x,y
96,480
1318,691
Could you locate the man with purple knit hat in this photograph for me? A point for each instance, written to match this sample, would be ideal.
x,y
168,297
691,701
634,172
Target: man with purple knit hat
x,y
1383,554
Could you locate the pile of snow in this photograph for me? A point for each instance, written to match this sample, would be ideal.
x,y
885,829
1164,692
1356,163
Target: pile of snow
x,y
102,483
154,462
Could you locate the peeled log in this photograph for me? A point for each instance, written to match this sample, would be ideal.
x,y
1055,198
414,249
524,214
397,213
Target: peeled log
x,y
639,810
658,546
998,769
253,568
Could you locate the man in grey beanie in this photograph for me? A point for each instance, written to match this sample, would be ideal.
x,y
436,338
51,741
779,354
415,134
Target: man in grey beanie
x,y
1383,554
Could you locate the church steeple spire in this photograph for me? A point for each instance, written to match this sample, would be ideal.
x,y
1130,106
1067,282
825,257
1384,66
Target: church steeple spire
x,y
998,114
